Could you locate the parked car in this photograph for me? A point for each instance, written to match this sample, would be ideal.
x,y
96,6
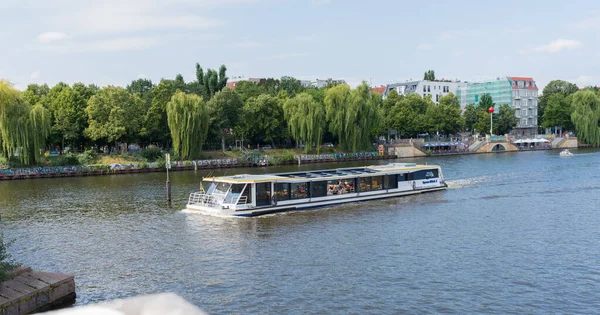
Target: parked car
x,y
328,144
267,147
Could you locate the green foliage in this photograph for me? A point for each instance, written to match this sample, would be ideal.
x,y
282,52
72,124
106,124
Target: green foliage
x,y
306,120
88,157
470,117
264,121
7,265
4,163
558,112
336,102
68,159
151,154
188,118
561,87
586,116
505,120
114,114
483,117
291,85
282,158
154,126
362,118
247,89
23,128
408,115
226,112
445,117
211,81
429,75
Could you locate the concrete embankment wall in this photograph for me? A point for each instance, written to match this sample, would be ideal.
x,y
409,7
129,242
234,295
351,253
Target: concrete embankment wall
x,y
31,292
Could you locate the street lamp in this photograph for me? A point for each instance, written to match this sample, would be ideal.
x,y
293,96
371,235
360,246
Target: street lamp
x,y
491,111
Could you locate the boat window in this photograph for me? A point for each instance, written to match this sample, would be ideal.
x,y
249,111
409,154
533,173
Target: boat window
x,y
234,193
377,183
211,187
364,183
340,186
263,194
425,174
401,178
318,189
222,188
390,182
299,190
282,191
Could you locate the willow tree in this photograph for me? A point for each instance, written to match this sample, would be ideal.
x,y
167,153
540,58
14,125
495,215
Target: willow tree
x,y
306,119
362,118
188,119
23,128
586,116
336,102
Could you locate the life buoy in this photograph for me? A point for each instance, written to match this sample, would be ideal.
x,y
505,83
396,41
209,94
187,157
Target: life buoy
x,y
273,200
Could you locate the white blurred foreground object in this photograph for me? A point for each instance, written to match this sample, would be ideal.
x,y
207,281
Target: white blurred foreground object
x,y
158,304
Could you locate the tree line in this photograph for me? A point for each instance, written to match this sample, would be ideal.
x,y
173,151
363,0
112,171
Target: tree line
x,y
186,115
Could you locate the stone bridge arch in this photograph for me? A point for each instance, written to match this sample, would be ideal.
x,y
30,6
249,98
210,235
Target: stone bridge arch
x,y
498,147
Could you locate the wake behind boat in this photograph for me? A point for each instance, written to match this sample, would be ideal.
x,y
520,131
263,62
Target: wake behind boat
x,y
565,153
252,195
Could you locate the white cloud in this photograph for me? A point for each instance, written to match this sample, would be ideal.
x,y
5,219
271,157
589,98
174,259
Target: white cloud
x,y
587,24
34,76
104,45
142,76
424,47
49,37
554,46
586,80
246,44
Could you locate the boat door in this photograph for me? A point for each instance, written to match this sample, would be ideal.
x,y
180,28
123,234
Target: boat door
x,y
263,194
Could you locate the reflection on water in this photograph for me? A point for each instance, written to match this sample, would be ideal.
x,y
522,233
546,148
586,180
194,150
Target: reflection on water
x,y
516,232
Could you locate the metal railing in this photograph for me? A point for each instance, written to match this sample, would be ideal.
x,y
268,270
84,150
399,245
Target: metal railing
x,y
201,198
242,200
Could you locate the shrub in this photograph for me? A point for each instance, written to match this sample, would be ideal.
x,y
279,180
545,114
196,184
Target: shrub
x,y
63,160
151,154
4,163
87,157
6,264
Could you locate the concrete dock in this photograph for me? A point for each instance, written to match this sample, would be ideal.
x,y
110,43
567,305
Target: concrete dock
x,y
31,292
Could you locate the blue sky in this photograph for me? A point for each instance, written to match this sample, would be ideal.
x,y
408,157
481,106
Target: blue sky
x,y
116,41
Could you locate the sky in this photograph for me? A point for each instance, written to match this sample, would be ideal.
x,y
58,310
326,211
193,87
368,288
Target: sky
x,y
112,42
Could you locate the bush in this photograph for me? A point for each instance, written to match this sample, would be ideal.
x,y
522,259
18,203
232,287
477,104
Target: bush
x,y
4,163
151,154
87,157
6,264
68,159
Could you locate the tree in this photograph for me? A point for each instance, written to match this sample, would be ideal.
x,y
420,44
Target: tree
x,y
337,100
23,128
115,115
226,112
446,116
485,102
392,100
362,118
35,92
6,263
586,116
429,75
188,118
306,120
291,85
558,112
505,120
212,81
264,118
154,126
69,115
408,116
247,89
470,117
143,88
554,87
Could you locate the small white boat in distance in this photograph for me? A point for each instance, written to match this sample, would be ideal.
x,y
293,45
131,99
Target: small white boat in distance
x,y
566,152
251,195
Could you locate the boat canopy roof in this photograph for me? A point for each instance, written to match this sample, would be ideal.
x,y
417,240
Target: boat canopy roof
x,y
322,174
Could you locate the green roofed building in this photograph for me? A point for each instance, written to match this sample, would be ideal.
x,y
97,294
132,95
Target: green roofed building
x,y
520,93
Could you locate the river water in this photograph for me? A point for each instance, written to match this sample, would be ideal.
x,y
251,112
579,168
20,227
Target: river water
x,y
514,233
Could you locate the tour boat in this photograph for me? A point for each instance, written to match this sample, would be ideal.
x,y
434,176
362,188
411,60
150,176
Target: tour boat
x,y
566,152
252,195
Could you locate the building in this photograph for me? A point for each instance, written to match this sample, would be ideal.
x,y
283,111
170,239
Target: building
x,y
231,83
378,89
520,93
319,84
436,88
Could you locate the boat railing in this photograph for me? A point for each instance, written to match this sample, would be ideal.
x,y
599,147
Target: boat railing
x,y
242,200
204,199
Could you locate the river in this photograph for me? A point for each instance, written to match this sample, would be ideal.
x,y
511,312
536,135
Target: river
x,y
514,233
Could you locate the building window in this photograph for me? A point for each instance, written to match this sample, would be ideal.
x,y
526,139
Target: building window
x,y
437,98
429,88
424,88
